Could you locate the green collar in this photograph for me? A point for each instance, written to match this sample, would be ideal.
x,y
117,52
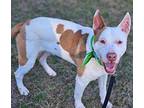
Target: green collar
x,y
91,54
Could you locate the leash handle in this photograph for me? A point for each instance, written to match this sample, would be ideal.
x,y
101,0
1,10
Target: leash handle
x,y
111,82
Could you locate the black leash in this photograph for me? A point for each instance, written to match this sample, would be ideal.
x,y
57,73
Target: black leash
x,y
111,82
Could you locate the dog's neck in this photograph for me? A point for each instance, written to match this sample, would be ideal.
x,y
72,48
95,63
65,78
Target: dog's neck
x,y
84,47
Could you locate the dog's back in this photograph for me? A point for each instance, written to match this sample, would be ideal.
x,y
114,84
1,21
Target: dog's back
x,y
48,33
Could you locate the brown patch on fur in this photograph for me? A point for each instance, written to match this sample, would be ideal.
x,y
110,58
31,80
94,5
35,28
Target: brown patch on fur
x,y
15,30
60,28
75,44
21,44
80,68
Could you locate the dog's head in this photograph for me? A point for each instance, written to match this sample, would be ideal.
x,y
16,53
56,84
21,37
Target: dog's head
x,y
111,42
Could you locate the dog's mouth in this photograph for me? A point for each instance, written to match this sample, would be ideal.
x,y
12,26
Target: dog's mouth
x,y
110,67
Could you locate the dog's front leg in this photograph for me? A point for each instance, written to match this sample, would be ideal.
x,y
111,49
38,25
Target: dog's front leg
x,y
102,89
80,86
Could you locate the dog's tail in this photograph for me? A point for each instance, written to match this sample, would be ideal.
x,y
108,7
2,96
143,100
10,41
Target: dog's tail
x,y
16,29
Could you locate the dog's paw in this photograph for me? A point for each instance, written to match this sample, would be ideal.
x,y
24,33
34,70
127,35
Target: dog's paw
x,y
79,105
109,105
52,73
23,90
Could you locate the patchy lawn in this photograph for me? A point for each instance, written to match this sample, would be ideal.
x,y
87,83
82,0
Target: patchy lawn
x,y
57,92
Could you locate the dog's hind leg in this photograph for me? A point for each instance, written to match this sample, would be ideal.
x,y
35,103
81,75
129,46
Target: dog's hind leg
x,y
102,89
44,64
21,71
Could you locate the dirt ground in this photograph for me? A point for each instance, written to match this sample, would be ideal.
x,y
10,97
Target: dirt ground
x,y
57,92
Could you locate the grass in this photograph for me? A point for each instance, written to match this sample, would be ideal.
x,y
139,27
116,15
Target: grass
x,y
57,92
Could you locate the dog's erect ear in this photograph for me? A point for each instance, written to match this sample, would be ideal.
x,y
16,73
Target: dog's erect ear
x,y
125,24
98,22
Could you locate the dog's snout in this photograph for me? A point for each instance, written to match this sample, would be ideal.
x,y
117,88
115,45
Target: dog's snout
x,y
111,56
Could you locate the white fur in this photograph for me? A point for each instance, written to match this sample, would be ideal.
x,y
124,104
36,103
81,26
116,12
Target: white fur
x,y
41,36
47,68
111,35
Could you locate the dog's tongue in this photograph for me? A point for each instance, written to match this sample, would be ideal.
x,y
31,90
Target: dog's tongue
x,y
110,67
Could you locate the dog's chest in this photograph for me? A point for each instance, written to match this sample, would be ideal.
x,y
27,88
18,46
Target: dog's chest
x,y
93,70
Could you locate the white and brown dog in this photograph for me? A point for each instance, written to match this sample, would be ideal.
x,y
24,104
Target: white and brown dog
x,y
40,37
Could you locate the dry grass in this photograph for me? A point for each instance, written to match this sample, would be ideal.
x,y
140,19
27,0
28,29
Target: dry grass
x,y
57,92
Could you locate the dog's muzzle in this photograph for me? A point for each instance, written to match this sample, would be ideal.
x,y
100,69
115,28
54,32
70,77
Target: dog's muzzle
x,y
111,65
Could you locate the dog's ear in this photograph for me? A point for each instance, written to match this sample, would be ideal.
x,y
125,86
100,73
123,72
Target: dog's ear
x,y
125,24
98,22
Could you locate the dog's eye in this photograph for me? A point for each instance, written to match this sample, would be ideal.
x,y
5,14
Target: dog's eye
x,y
102,41
119,42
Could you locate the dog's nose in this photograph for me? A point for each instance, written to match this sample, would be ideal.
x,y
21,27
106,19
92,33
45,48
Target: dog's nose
x,y
111,56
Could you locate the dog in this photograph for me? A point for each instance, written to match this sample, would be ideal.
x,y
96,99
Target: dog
x,y
40,37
